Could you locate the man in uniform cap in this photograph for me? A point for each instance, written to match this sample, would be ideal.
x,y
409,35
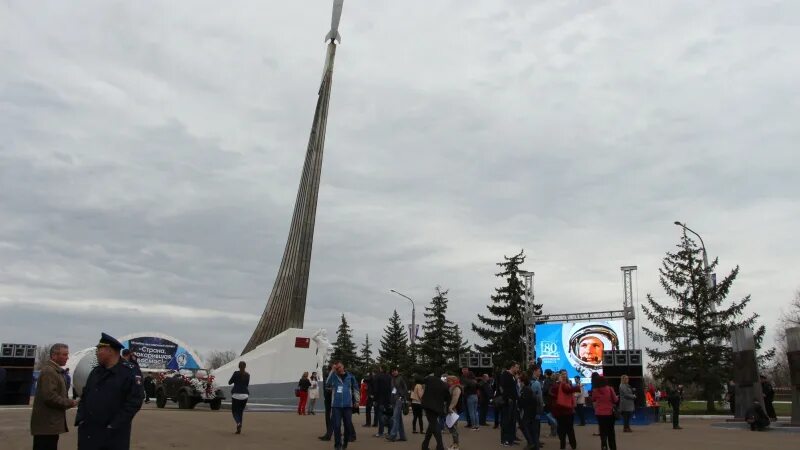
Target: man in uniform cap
x,y
111,397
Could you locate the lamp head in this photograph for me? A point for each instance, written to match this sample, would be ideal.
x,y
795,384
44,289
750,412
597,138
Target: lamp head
x,y
678,223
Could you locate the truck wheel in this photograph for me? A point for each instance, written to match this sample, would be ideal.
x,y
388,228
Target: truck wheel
x,y
184,402
161,398
216,404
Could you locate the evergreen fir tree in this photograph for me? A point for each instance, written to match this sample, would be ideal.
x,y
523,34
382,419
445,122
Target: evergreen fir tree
x,y
436,345
692,332
504,330
344,349
455,347
394,345
365,360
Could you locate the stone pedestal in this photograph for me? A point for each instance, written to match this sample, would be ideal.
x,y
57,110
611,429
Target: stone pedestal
x,y
793,354
745,370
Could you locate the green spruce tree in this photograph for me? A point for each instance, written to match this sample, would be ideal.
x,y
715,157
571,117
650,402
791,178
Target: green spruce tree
x,y
441,342
455,347
504,330
692,330
394,345
365,359
344,349
437,337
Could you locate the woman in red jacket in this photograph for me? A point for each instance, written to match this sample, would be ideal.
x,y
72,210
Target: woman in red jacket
x,y
604,398
563,394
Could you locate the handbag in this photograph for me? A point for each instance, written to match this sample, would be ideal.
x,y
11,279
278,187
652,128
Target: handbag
x,y
405,407
297,392
499,401
564,400
615,412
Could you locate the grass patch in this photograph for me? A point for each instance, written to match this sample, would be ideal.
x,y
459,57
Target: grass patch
x,y
698,408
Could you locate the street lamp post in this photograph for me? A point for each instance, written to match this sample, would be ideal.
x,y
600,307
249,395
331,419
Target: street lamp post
x,y
413,334
706,269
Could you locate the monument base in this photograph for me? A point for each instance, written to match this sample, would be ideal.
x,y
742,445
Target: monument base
x,y
276,366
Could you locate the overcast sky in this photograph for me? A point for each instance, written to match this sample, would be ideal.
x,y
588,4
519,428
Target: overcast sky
x,y
151,153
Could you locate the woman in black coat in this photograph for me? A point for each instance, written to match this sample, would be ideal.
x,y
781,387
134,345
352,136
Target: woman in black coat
x,y
239,394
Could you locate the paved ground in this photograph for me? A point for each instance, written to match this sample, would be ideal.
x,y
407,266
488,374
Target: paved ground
x,y
205,429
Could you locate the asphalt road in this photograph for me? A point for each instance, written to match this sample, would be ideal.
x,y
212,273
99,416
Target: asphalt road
x,y
205,429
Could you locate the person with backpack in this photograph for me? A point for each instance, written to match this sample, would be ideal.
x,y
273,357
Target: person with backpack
x,y
398,399
456,391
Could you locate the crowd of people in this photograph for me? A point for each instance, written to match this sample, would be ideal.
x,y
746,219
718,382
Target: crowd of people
x,y
521,400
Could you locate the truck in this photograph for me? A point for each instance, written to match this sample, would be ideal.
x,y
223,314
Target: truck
x,y
187,388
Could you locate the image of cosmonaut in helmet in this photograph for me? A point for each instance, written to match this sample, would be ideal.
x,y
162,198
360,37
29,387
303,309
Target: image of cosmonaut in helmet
x,y
587,343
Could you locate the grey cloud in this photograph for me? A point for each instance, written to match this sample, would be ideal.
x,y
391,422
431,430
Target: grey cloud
x,y
151,155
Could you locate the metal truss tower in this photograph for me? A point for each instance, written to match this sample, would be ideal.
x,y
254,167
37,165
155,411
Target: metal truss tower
x,y
627,306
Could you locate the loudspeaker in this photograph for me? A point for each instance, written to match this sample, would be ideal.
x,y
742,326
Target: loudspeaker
x,y
608,358
635,357
621,358
615,371
474,360
17,387
486,360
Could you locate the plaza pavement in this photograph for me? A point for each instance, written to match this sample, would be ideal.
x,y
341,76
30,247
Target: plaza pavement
x,y
202,428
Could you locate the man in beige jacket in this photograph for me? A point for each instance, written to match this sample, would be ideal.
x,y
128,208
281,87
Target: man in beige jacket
x,y
51,402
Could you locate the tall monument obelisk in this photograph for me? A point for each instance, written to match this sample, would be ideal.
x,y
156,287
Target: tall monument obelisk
x,y
286,306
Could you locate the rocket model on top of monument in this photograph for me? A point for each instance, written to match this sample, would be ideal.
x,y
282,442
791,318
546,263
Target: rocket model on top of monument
x,y
287,302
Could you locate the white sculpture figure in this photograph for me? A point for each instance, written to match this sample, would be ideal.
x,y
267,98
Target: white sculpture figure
x,y
323,347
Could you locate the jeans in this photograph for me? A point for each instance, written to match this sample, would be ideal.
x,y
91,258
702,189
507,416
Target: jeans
x,y
45,442
530,430
339,415
580,410
472,410
608,439
379,408
509,428
398,429
566,429
369,408
552,422
626,419
237,408
328,413
454,432
483,410
433,430
676,412
416,410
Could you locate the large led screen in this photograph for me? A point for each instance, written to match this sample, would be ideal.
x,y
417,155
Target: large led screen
x,y
578,347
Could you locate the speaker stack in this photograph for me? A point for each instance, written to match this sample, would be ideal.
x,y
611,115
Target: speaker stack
x,y
617,363
17,361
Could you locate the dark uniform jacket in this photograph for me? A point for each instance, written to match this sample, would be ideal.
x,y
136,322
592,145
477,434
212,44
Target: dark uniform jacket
x,y
110,399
